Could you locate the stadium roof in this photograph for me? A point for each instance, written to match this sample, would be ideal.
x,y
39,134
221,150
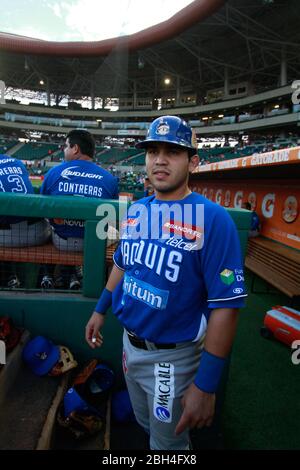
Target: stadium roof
x,y
244,40
84,20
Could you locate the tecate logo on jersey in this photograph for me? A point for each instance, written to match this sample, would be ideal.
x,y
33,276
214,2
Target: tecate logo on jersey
x,y
70,172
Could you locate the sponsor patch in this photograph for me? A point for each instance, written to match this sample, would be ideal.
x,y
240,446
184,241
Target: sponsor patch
x,y
69,172
59,221
164,391
188,231
69,222
130,222
145,292
239,275
227,277
238,290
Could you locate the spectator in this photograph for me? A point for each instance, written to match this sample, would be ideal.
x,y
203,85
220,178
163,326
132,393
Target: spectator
x,y
148,188
178,307
78,176
255,226
19,231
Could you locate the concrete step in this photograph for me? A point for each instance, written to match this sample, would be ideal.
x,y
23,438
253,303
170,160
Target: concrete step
x,y
25,411
9,371
28,403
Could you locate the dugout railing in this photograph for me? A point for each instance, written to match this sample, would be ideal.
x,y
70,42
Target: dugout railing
x,y
62,316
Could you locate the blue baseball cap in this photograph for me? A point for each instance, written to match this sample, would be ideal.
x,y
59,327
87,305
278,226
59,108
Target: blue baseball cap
x,y
40,354
171,130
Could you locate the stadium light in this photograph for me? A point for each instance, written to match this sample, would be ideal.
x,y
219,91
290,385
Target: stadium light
x,y
141,62
26,66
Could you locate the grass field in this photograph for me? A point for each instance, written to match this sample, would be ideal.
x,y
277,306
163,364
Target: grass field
x,y
262,406
36,183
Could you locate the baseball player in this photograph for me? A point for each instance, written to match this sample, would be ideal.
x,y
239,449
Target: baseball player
x,y
176,287
19,231
77,176
255,222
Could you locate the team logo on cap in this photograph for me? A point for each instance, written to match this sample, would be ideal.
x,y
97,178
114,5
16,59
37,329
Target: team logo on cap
x,y
163,128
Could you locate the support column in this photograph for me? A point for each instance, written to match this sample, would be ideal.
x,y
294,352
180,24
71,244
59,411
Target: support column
x,y
48,94
177,99
226,82
93,93
134,95
283,68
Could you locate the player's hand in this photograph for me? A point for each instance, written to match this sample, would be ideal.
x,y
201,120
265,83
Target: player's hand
x,y
92,330
198,409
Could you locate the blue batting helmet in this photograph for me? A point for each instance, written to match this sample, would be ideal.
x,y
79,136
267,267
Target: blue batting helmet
x,y
89,395
40,354
172,130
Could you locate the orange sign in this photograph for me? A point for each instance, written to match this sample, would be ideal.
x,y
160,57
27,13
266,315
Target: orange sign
x,y
277,157
275,201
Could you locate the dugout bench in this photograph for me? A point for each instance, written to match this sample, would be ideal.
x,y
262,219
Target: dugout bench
x,y
277,264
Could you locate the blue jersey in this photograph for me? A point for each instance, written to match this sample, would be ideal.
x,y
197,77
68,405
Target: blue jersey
x,y
78,178
14,178
190,265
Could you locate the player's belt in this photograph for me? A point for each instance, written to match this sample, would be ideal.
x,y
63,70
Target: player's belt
x,y
147,345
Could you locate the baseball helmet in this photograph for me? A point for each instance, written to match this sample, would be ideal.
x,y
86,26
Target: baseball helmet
x,y
40,354
90,390
172,130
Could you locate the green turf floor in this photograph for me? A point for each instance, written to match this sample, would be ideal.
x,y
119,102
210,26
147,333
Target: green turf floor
x,y
262,405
